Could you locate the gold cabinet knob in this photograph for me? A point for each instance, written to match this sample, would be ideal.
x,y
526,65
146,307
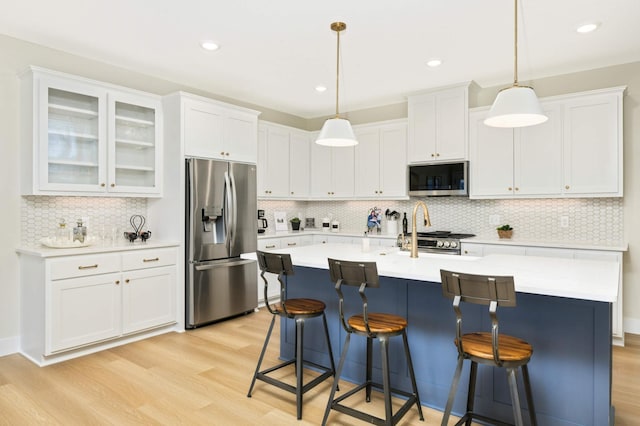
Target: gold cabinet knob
x,y
517,189
566,187
113,184
510,189
127,281
437,154
103,184
222,153
117,282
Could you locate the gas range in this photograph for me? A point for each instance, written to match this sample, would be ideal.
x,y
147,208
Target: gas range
x,y
443,242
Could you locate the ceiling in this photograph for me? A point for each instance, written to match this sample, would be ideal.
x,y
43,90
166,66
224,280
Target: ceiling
x,y
274,53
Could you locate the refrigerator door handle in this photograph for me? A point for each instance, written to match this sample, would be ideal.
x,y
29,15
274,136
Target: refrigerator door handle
x,y
234,211
205,267
228,212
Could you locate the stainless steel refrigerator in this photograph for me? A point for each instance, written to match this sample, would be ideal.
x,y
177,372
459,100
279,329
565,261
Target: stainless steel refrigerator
x,y
220,211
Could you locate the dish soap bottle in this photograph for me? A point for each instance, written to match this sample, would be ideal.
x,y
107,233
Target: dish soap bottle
x,y
404,224
79,232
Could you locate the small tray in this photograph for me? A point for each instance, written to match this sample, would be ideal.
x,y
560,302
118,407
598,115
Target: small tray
x,y
52,243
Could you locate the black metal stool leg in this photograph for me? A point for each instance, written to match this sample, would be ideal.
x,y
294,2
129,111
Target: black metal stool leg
x,y
386,381
452,391
329,348
264,349
343,358
473,375
369,368
515,398
527,390
299,364
411,373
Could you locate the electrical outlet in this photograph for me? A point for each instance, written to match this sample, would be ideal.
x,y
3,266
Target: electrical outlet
x,y
494,219
564,221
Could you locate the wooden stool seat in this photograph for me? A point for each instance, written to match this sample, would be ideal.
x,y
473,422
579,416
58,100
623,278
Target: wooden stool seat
x,y
511,349
301,307
378,323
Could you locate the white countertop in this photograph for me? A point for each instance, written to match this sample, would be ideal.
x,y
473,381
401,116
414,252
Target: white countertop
x,y
572,278
584,245
42,251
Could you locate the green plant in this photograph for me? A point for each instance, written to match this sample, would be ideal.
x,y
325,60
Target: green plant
x,y
504,228
294,220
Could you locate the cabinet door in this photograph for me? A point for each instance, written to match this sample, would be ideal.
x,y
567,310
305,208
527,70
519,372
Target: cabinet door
x,y
342,170
593,145
467,249
240,137
203,130
72,136
491,158
422,128
148,298
299,160
266,244
367,175
135,144
393,161
321,181
538,156
275,162
451,124
82,311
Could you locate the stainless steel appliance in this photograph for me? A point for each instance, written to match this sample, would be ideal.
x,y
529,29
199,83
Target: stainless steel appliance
x,y
439,179
220,225
262,222
442,242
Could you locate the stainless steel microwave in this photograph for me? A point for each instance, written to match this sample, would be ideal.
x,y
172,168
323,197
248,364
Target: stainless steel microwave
x,y
439,179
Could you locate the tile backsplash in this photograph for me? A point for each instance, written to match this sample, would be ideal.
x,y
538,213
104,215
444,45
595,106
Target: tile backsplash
x,y
41,214
590,220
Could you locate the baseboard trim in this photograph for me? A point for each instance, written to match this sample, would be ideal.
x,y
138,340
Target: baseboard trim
x,y
632,325
9,345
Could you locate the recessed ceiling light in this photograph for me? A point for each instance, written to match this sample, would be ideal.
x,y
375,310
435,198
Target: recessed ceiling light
x,y
587,27
435,62
321,89
209,45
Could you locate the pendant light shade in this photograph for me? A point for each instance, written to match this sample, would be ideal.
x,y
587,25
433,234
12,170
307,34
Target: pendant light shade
x,y
516,106
337,131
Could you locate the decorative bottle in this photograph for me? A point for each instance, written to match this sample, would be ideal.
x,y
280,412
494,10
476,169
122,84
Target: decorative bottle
x,y
404,224
80,231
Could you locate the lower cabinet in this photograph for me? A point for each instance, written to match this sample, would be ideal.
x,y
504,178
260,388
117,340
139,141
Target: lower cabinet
x,y
617,326
70,303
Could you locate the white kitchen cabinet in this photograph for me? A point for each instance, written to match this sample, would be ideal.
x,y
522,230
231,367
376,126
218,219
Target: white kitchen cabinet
x,y
84,137
217,130
283,162
438,125
593,144
332,172
380,160
522,162
77,304
482,249
576,153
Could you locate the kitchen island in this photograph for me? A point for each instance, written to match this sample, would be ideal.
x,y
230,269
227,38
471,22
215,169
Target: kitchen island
x,y
564,311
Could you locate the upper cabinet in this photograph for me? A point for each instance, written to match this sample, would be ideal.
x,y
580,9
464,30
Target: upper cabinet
x,y
438,125
380,160
332,171
283,160
576,153
83,137
217,130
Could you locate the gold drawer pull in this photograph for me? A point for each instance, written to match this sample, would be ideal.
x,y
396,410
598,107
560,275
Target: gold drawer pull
x,y
273,246
155,259
292,244
88,267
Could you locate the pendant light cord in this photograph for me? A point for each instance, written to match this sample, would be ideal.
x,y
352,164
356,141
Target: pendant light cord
x,y
337,72
515,44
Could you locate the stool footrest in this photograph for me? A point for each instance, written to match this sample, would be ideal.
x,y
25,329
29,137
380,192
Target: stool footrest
x,y
263,375
474,416
411,400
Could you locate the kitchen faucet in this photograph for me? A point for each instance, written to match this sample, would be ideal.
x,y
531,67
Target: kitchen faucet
x,y
414,230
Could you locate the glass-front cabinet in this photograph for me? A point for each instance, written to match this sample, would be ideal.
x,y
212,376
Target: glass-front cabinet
x,y
89,137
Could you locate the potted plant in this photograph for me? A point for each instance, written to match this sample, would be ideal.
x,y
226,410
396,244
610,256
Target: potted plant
x,y
505,231
295,223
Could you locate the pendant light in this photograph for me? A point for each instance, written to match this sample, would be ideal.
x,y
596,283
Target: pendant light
x,y
337,131
515,106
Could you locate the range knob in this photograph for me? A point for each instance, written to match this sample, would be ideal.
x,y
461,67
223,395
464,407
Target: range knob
x,y
454,244
447,244
439,244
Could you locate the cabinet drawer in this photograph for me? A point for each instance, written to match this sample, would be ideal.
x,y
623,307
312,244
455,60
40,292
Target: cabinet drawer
x,y
82,266
148,258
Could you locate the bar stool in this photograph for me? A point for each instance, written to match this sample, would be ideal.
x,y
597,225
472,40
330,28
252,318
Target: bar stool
x,y
490,348
373,326
298,310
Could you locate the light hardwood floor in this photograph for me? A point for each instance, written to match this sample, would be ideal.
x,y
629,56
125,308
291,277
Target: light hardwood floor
x,y
201,377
